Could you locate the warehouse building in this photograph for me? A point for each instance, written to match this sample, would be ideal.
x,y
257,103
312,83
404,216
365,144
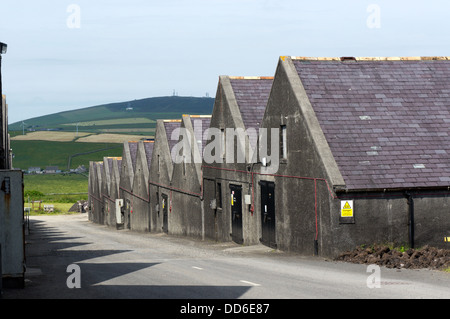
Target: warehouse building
x,y
187,214
364,153
106,185
110,189
160,177
95,192
126,181
228,183
140,218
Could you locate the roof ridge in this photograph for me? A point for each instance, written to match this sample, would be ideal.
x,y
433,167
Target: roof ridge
x,y
251,77
410,58
198,116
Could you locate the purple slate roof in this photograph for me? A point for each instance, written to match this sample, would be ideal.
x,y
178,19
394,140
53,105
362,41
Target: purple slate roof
x,y
387,122
148,146
119,165
252,95
200,125
133,150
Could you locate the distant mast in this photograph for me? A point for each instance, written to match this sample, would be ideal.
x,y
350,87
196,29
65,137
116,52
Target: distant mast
x,y
129,107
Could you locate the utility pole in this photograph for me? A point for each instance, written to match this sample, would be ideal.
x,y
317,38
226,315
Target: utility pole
x,y
4,148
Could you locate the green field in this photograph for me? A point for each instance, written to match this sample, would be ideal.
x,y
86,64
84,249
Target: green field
x,y
117,116
47,153
54,189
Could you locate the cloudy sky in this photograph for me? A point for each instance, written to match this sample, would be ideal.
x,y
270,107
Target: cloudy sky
x,y
68,54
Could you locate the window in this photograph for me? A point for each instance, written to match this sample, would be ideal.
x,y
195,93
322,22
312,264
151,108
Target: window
x,y
222,149
159,164
283,142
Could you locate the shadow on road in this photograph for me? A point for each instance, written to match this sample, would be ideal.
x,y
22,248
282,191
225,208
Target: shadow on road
x,y
50,251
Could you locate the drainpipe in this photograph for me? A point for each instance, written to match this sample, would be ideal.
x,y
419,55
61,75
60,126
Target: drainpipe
x,y
410,199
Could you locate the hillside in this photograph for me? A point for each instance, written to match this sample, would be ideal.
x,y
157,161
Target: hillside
x,y
150,109
72,138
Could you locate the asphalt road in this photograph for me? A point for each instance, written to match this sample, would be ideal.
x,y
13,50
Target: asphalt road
x,y
123,264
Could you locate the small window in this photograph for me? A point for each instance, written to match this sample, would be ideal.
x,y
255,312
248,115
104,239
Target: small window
x,y
283,142
159,164
222,146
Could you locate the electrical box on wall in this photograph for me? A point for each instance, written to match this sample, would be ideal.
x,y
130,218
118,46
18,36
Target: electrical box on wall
x,y
12,228
119,213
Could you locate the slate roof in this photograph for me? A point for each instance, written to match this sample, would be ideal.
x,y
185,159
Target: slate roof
x,y
148,146
133,151
252,94
387,121
170,126
119,165
200,124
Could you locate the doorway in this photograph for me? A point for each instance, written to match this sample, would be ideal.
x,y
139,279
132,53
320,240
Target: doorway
x,y
236,214
164,204
268,237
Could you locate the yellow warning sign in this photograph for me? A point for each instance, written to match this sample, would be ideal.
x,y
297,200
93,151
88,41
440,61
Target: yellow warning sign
x,y
347,208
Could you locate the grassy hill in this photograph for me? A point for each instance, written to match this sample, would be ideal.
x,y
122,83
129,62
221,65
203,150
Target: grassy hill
x,y
136,116
49,153
99,127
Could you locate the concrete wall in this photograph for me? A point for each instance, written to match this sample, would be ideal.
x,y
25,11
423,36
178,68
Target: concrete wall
x,y
12,228
385,218
140,218
106,185
100,212
187,215
160,177
308,188
95,193
110,191
91,183
218,224
114,191
126,183
302,198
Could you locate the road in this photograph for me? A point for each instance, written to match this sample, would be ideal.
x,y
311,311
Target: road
x,y
121,264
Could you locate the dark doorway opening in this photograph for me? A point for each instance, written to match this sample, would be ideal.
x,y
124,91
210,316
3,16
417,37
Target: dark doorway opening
x,y
268,237
164,204
236,214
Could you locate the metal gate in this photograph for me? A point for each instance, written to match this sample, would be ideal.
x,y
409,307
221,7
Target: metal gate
x,y
268,237
236,214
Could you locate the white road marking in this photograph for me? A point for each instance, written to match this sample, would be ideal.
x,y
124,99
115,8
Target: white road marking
x,y
197,268
250,283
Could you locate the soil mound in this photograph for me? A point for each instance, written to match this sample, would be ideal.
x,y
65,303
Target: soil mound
x,y
426,257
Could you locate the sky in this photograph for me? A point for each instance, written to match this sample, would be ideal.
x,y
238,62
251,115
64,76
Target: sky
x,y
69,54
